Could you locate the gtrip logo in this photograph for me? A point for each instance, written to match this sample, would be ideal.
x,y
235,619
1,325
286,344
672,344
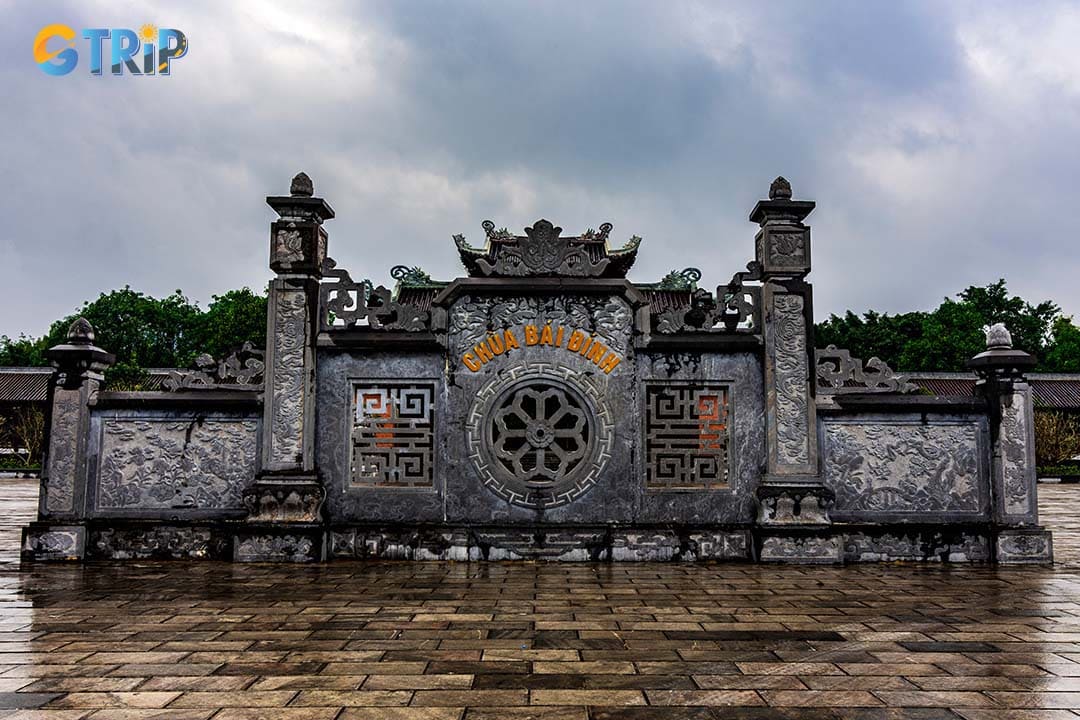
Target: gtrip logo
x,y
146,52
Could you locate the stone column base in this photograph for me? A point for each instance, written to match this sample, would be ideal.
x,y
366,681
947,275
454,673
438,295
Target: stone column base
x,y
786,502
42,541
1024,546
299,543
284,498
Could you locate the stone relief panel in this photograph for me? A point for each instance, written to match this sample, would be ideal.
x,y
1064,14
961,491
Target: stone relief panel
x,y
63,450
1017,462
393,435
286,425
174,464
790,367
882,467
687,436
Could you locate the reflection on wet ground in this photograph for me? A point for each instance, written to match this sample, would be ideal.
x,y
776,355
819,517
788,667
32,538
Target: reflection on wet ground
x,y
486,642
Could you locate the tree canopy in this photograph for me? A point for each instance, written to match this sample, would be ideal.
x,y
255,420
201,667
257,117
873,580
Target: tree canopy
x,y
146,332
945,338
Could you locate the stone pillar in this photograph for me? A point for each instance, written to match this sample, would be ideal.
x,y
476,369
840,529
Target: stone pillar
x,y
792,502
288,492
1013,487
59,534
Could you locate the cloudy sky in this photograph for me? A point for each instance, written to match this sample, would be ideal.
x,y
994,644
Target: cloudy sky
x,y
941,141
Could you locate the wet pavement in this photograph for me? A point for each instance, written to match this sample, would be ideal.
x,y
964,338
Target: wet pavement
x,y
437,641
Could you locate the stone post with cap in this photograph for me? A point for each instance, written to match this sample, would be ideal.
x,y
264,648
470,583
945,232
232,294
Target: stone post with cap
x,y
59,533
288,489
1013,489
793,503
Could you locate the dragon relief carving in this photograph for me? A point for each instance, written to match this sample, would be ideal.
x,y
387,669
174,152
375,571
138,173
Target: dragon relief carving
x,y
175,464
242,370
63,441
838,372
286,427
790,367
903,467
1014,456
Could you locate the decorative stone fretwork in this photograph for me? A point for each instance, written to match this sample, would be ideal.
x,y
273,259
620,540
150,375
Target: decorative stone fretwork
x,y
839,373
543,251
393,435
172,465
904,467
241,370
79,366
540,435
735,308
346,304
687,436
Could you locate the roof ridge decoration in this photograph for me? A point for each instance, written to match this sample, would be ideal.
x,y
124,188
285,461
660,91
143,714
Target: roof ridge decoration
x,y
544,251
242,370
839,373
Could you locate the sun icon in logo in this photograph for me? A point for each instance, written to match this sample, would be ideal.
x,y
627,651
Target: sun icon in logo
x,y
148,32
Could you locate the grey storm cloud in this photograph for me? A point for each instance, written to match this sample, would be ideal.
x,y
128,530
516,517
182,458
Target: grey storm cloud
x,y
939,140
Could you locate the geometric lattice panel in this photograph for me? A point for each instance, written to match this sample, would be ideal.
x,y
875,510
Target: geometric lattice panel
x,y
686,436
393,435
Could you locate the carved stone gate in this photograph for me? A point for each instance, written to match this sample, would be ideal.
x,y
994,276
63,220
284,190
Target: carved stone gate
x,y
540,406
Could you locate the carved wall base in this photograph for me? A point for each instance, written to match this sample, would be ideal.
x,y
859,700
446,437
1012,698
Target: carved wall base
x,y
920,544
598,544
282,498
1024,547
42,541
798,548
275,543
793,503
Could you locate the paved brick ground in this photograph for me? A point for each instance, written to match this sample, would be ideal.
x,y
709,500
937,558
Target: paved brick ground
x,y
486,642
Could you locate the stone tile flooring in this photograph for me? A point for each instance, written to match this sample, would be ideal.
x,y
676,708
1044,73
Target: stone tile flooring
x,y
439,641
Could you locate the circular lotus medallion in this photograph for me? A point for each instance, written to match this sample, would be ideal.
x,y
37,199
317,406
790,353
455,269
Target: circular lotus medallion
x,y
539,436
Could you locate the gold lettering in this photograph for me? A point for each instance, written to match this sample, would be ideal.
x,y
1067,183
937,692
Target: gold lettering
x,y
510,340
482,352
610,361
545,336
496,344
576,338
596,352
470,362
585,348
531,335
558,337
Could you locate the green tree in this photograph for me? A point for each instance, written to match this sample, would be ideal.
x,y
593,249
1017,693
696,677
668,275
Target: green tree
x,y
1063,350
146,332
